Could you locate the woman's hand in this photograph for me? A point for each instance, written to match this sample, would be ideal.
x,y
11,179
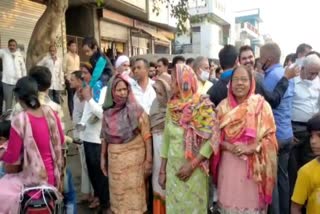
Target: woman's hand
x,y
185,171
162,180
103,165
240,150
147,168
228,147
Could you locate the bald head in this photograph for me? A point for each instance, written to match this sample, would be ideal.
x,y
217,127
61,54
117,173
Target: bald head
x,y
311,67
271,51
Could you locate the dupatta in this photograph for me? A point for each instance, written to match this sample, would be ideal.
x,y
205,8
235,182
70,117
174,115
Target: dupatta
x,y
194,113
253,122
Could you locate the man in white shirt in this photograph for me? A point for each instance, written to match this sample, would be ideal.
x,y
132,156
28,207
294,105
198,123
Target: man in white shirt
x,y
13,69
202,71
142,89
71,63
305,104
307,90
54,63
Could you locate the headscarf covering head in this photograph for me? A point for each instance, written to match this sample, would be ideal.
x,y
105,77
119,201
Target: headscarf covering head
x,y
121,115
120,60
231,97
87,66
194,113
159,105
184,78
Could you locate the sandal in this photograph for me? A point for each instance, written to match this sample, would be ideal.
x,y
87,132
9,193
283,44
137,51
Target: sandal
x,y
94,204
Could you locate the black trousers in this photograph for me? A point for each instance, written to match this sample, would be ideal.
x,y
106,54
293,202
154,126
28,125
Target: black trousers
x,y
300,154
1,98
98,180
55,96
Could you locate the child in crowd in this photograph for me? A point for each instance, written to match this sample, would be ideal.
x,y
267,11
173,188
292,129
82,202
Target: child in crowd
x,y
307,188
4,136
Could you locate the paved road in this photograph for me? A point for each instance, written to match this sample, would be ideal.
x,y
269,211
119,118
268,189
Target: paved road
x,y
74,165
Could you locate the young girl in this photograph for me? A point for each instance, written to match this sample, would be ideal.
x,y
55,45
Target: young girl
x,y
36,131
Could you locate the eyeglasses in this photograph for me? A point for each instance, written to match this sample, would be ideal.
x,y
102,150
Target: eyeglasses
x,y
242,79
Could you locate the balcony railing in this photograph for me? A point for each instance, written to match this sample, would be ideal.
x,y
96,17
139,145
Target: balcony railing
x,y
250,27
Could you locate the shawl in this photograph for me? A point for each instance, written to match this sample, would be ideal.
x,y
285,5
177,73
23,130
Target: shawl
x,y
121,115
194,113
159,106
33,170
252,121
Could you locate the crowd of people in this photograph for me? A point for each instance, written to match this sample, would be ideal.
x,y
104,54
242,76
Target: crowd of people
x,y
190,136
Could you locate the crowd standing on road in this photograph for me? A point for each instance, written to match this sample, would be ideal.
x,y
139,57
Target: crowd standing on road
x,y
190,136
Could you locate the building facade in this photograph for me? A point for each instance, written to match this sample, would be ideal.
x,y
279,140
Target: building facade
x,y
123,27
248,29
18,19
211,27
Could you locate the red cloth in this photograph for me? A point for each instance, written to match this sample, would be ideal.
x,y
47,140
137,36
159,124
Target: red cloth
x,y
40,132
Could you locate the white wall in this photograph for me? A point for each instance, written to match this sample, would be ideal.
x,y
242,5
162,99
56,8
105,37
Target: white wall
x,y
164,16
137,3
221,8
210,41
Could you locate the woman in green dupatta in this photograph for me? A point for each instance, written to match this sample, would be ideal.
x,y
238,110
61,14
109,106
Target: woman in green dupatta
x,y
191,135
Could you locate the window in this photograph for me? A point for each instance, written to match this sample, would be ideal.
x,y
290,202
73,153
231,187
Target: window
x,y
196,29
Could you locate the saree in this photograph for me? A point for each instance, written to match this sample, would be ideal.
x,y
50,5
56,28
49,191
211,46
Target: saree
x,y
125,128
33,170
157,123
245,184
191,128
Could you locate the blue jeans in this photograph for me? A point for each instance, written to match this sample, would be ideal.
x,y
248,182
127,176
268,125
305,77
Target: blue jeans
x,y
281,193
69,194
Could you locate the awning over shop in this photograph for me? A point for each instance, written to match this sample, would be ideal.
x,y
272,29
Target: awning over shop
x,y
156,35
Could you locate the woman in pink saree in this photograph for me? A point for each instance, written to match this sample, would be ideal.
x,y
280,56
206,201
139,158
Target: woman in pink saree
x,y
33,156
248,164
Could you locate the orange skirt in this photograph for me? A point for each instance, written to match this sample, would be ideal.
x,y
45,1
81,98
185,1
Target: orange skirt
x,y
159,205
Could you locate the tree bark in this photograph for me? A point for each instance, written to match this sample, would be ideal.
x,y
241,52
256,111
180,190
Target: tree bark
x,y
74,3
45,31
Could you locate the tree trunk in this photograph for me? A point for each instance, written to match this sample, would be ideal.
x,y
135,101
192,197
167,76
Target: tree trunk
x,y
45,31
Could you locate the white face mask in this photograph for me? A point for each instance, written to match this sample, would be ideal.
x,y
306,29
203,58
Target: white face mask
x,y
127,72
204,76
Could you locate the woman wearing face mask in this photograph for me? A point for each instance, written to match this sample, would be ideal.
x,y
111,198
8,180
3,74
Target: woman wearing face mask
x,y
190,136
157,119
201,68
